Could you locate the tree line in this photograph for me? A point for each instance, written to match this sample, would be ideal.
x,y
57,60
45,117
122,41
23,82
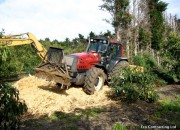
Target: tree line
x,y
145,27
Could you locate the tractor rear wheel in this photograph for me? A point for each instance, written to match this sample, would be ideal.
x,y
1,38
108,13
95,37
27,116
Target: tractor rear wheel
x,y
94,80
118,68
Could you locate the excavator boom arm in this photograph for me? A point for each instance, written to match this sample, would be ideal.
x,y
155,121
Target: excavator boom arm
x,y
13,41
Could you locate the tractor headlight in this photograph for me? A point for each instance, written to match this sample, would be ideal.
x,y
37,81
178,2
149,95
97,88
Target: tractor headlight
x,y
68,67
104,41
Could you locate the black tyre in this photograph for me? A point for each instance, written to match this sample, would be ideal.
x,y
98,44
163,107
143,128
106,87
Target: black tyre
x,y
94,80
117,69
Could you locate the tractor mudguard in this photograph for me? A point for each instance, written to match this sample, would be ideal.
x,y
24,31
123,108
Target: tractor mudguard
x,y
101,67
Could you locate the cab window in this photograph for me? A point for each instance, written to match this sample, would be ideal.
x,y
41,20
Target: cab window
x,y
114,51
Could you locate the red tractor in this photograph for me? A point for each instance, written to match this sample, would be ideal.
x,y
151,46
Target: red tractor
x,y
102,59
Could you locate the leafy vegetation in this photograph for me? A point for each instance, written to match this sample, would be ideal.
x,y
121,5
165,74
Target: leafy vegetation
x,y
170,57
14,60
168,105
131,85
121,17
144,38
146,61
156,9
150,66
169,109
10,107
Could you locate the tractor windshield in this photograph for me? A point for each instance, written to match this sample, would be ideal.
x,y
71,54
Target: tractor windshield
x,y
97,46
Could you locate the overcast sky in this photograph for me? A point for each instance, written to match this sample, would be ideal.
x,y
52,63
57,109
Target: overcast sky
x,y
58,19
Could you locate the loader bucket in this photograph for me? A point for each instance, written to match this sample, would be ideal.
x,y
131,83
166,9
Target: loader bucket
x,y
55,55
55,76
54,69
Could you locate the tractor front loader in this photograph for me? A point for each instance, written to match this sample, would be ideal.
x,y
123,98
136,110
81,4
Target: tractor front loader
x,y
54,69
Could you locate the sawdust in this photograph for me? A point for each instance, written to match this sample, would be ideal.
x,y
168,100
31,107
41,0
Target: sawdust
x,y
43,97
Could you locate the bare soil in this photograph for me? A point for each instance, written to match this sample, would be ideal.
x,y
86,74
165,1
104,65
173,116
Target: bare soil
x,y
50,108
169,91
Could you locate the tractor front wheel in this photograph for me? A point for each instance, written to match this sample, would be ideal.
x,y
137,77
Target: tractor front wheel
x,y
94,80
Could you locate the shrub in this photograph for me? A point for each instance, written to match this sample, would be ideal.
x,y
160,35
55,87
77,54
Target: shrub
x,y
131,85
14,60
10,107
150,65
170,58
145,61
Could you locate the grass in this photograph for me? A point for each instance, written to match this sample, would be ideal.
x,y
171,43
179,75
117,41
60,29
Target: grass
x,y
169,111
74,117
69,120
168,105
92,112
119,126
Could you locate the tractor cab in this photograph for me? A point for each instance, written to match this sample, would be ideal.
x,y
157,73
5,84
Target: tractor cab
x,y
115,49
98,45
111,48
106,49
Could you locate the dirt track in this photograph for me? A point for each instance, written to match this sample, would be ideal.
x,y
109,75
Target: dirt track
x,y
43,97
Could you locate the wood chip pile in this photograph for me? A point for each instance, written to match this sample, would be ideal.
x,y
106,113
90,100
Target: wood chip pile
x,y
43,97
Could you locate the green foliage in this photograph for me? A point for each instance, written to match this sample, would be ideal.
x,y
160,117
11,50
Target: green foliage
x,y
8,65
1,33
92,34
144,38
145,61
168,105
118,126
172,48
150,65
122,17
131,85
168,109
10,107
118,10
156,9
76,45
170,57
14,60
169,69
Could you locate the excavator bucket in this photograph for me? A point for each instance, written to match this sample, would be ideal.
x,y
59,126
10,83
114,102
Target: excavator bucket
x,y
55,68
